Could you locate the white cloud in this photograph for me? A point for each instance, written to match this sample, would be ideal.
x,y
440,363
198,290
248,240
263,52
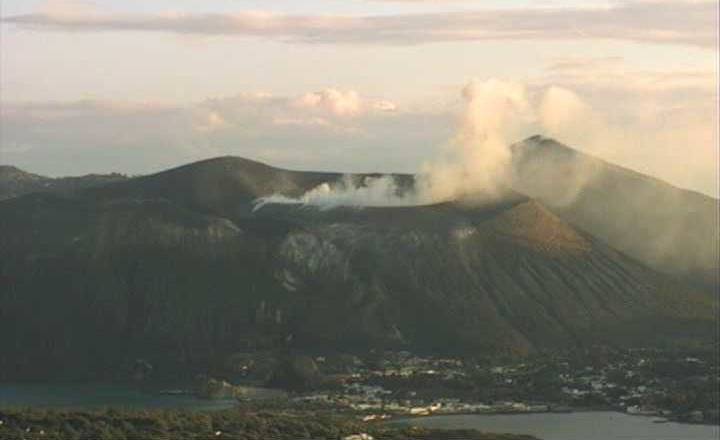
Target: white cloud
x,y
664,123
300,122
561,109
337,102
342,103
613,73
68,8
385,105
657,21
146,136
210,121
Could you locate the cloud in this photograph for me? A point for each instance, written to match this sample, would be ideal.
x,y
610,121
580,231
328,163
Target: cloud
x,y
210,121
612,73
477,159
300,122
68,7
662,123
337,102
85,136
343,103
384,105
658,21
561,109
476,163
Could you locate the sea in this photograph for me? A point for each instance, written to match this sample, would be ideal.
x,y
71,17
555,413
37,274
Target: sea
x,y
600,425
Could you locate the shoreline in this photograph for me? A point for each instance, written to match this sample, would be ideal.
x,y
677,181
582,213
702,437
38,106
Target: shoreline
x,y
204,404
409,417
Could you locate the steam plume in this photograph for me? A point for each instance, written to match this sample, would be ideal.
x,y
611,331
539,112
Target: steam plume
x,y
372,191
478,159
476,162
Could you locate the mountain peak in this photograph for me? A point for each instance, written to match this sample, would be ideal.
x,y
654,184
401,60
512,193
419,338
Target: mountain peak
x,y
671,229
539,144
227,161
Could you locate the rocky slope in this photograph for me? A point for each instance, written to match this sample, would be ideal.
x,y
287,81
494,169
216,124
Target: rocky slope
x,y
178,268
670,229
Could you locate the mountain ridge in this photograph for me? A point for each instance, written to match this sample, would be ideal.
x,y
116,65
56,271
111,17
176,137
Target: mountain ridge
x,y
178,268
15,182
672,230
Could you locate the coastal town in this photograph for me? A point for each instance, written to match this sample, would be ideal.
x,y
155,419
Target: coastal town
x,y
671,385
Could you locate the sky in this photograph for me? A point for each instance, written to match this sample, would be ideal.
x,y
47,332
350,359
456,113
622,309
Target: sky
x,y
137,86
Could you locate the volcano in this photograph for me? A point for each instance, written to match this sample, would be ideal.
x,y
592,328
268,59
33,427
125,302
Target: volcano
x,y
180,268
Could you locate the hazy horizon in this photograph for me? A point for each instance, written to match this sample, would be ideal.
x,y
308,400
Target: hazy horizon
x,y
467,209
353,86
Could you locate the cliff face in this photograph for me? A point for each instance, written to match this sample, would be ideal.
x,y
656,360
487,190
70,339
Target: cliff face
x,y
178,269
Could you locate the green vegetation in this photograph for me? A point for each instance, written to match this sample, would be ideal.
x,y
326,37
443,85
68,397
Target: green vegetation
x,y
165,425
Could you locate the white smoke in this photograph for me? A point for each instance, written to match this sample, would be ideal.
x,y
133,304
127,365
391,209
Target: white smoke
x,y
371,191
476,162
562,110
564,115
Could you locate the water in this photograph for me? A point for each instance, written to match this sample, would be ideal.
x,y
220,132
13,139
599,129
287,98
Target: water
x,y
95,396
574,426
